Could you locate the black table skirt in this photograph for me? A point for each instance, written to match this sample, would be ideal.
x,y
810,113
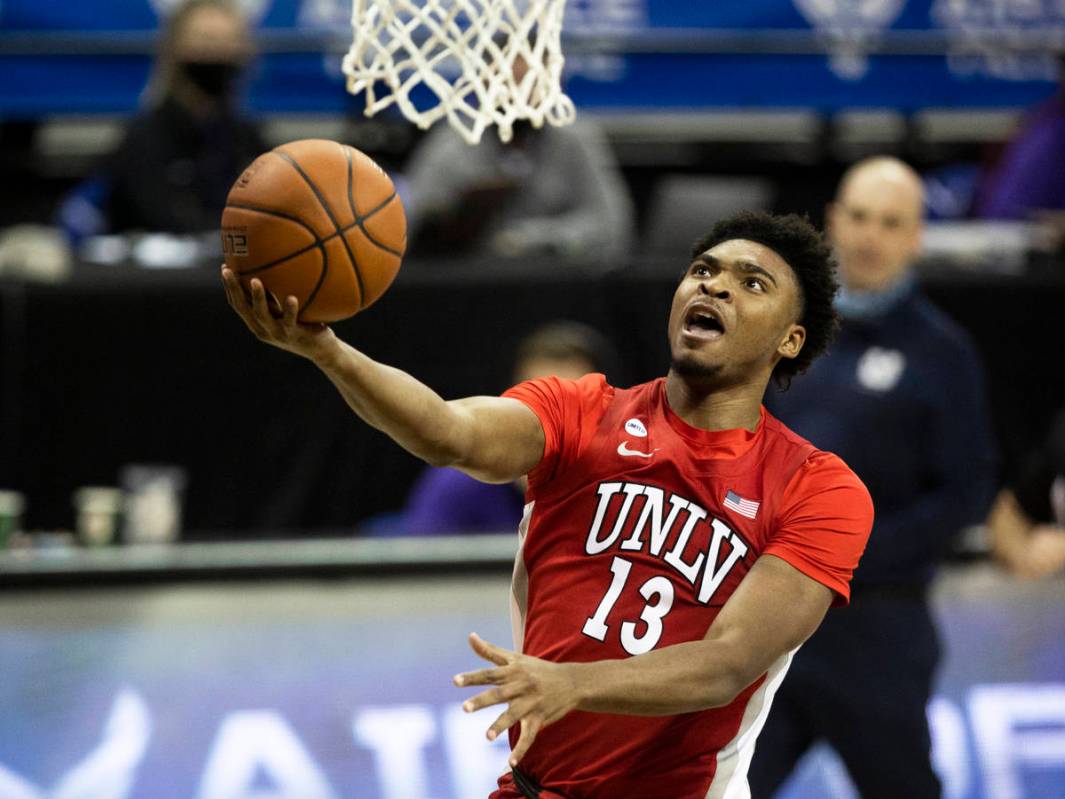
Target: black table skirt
x,y
122,366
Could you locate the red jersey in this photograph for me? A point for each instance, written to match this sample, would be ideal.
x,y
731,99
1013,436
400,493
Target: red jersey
x,y
637,530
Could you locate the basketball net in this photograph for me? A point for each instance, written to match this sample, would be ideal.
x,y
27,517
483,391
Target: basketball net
x,y
484,62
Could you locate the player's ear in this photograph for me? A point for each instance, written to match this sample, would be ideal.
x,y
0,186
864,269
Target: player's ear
x,y
791,344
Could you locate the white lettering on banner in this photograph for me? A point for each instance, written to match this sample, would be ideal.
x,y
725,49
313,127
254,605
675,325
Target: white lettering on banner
x,y
398,736
334,15
109,770
601,18
475,761
950,750
605,16
1014,727
251,743
585,16
850,26
978,29
999,715
324,14
12,786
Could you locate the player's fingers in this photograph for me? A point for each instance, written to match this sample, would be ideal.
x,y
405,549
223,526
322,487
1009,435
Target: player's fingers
x,y
493,696
514,713
491,652
259,304
234,294
229,296
274,305
530,728
238,301
291,310
481,677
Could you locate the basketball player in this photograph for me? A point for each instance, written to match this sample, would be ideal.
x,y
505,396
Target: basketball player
x,y
679,543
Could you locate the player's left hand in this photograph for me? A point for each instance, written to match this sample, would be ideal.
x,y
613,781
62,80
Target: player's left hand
x,y
278,326
537,692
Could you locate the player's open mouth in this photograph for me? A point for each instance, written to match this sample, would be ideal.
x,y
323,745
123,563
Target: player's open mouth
x,y
704,322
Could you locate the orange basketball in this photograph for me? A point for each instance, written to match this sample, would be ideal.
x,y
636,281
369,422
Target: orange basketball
x,y
317,220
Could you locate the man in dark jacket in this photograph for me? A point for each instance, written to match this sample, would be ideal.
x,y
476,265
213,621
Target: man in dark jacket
x,y
901,398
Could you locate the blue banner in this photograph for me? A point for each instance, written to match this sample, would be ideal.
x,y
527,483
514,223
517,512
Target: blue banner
x,y
91,57
323,690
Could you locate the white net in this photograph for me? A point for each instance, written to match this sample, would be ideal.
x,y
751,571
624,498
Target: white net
x,y
481,62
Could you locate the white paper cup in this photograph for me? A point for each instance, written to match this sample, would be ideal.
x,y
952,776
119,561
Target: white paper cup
x,y
99,510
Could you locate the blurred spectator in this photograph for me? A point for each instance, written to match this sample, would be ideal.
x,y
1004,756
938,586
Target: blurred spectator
x,y
34,252
448,501
1027,523
178,159
900,397
1028,180
553,190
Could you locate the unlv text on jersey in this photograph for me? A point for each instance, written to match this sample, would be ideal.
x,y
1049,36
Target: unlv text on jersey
x,y
668,537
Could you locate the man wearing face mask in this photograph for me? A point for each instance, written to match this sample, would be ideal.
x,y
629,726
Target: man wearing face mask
x,y
178,159
901,397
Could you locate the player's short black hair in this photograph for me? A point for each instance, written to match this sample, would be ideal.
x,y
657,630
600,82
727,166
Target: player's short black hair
x,y
805,250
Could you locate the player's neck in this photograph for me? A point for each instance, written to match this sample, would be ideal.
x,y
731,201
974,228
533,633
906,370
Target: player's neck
x,y
724,408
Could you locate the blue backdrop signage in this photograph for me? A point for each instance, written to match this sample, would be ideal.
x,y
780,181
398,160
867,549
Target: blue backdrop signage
x,y
342,690
90,57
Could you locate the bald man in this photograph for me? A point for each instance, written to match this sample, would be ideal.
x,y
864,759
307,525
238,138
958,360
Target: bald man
x,y
901,398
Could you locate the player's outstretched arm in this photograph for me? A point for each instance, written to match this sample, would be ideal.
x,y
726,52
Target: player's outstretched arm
x,y
491,438
771,613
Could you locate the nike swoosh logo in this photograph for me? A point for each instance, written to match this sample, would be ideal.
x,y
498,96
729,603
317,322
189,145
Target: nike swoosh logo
x,y
628,453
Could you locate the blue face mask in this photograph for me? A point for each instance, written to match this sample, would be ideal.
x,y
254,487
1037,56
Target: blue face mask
x,y
873,304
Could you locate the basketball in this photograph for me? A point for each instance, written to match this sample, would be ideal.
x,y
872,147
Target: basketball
x,y
319,221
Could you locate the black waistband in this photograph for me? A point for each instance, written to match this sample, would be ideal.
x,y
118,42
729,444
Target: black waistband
x,y
529,789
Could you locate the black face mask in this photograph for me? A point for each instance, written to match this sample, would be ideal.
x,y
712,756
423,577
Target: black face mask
x,y
213,78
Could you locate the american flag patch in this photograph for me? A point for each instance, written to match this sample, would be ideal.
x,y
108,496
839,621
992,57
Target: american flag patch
x,y
744,507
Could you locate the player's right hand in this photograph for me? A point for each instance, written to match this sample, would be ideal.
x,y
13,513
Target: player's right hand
x,y
537,692
285,330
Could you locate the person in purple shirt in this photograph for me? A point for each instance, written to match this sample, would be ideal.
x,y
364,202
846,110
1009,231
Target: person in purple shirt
x,y
1029,178
445,500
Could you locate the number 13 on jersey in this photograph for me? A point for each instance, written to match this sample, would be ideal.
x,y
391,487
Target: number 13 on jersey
x,y
658,591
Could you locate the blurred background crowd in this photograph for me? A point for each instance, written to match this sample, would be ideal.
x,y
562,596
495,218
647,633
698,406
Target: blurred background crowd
x,y
121,131
927,137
